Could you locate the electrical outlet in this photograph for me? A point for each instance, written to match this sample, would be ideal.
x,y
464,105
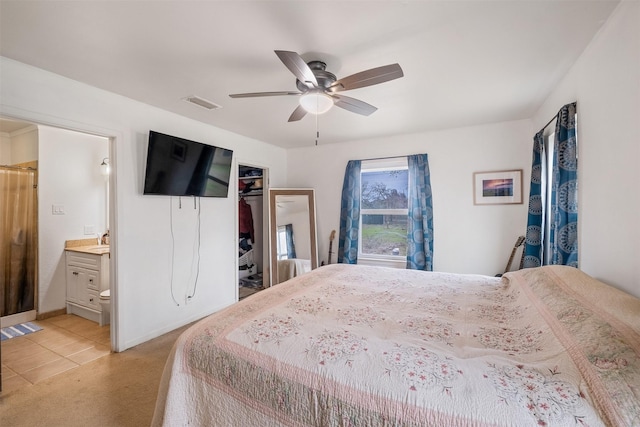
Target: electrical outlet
x,y
57,209
90,230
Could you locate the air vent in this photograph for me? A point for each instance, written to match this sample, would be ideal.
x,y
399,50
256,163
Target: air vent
x,y
202,103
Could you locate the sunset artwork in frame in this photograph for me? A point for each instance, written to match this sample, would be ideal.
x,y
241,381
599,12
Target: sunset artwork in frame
x,y
497,188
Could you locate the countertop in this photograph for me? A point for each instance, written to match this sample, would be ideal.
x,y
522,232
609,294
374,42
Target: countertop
x,y
93,249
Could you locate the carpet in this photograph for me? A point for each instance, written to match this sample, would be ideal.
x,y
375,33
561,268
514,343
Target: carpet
x,y
18,330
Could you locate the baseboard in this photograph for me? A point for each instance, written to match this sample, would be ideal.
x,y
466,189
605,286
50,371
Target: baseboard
x,y
85,312
49,314
161,331
15,319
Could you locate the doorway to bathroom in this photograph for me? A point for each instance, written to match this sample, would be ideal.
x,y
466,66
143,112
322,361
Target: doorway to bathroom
x,y
52,190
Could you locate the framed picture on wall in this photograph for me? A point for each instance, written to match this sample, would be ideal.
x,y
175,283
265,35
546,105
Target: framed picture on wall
x,y
497,188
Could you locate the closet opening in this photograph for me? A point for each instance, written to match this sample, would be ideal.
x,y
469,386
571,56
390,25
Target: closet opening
x,y
253,242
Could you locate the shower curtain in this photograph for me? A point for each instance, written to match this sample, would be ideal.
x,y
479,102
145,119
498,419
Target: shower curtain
x,y
18,238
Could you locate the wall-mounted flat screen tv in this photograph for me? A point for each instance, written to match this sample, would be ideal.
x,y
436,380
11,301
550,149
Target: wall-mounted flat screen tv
x,y
179,167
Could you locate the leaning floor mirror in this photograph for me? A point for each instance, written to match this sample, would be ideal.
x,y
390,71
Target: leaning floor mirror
x,y
292,228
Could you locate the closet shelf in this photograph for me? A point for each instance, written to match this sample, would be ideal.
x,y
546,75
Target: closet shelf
x,y
250,181
250,193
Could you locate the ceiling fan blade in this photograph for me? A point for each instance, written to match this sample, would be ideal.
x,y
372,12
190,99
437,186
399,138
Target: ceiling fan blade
x,y
257,94
354,105
369,77
297,114
298,67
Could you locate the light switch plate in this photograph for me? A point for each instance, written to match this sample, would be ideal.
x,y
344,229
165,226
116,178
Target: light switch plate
x,y
57,209
89,229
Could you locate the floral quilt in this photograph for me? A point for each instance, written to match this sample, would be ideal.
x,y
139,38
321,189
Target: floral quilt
x,y
349,345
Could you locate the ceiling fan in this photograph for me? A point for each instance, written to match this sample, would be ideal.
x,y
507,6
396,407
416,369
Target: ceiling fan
x,y
317,87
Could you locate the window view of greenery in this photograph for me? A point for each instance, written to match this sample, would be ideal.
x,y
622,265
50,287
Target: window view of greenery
x,y
282,245
384,212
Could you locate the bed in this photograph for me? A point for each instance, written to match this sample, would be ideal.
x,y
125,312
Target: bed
x,y
349,345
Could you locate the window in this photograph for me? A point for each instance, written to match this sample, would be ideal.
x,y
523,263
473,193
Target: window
x,y
383,213
283,247
547,184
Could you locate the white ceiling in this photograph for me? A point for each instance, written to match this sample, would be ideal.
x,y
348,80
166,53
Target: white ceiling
x,y
465,62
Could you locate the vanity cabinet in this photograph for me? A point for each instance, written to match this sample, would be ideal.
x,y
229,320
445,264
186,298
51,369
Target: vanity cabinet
x,y
87,276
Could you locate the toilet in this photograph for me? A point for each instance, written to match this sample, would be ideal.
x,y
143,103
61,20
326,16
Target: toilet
x,y
105,304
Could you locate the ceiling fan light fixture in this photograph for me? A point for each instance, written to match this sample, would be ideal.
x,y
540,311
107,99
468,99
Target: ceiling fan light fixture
x,y
316,102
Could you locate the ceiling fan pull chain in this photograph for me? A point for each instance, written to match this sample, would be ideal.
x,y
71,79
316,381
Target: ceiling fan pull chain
x,y
317,131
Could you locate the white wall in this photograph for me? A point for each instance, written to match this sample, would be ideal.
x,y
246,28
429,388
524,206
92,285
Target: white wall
x,y
20,146
24,145
605,82
468,238
68,175
141,242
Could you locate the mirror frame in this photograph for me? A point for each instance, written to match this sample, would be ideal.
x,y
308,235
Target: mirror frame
x,y
273,228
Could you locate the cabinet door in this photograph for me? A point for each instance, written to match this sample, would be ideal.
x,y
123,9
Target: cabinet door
x,y
72,284
87,275
82,288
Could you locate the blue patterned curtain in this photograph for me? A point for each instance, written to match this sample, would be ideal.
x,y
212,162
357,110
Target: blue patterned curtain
x,y
562,245
291,246
420,220
535,232
563,238
350,214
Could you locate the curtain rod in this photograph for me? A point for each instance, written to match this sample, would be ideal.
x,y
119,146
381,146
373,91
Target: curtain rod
x,y
556,116
390,157
548,123
22,168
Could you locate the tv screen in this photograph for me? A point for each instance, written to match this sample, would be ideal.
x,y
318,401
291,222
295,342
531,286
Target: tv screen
x,y
179,167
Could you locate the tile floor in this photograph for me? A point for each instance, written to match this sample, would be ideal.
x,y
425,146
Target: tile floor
x,y
65,342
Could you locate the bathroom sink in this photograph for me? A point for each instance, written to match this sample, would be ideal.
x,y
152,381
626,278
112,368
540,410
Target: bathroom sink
x,y
101,249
